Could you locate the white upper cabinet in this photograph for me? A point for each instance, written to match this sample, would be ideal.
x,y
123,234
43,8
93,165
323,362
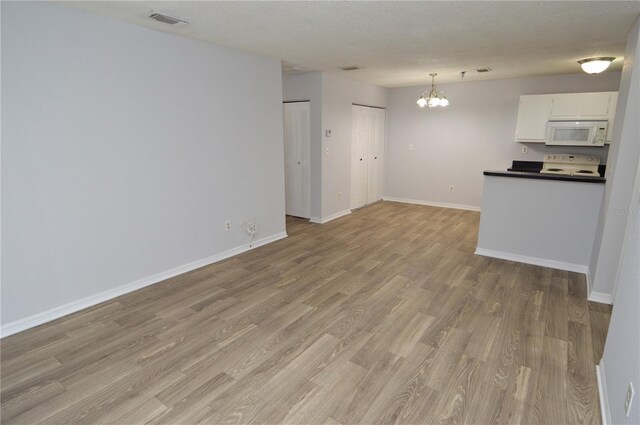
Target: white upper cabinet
x,y
536,110
581,106
533,114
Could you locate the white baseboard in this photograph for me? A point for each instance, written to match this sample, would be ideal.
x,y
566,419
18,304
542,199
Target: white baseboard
x,y
597,297
602,393
72,307
587,278
571,267
432,204
600,297
322,220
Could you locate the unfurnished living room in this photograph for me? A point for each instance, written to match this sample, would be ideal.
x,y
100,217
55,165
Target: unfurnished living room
x,y
313,212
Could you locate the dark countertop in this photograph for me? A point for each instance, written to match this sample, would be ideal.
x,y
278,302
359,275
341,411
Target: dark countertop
x,y
539,176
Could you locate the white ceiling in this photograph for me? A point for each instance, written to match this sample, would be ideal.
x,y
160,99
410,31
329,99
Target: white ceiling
x,y
398,43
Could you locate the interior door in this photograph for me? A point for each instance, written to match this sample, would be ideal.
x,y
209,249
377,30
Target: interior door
x,y
376,152
359,156
367,150
297,137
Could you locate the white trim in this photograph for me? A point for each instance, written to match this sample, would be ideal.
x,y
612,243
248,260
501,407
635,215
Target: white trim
x,y
328,218
597,297
72,307
602,394
560,265
432,204
600,297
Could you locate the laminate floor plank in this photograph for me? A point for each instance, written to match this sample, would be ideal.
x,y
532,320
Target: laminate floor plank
x,y
383,316
453,404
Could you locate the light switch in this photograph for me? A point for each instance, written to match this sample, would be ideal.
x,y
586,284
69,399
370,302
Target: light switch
x,y
410,147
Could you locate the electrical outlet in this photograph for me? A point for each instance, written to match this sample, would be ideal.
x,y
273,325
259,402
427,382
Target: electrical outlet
x,y
326,151
525,150
227,225
629,399
452,188
410,147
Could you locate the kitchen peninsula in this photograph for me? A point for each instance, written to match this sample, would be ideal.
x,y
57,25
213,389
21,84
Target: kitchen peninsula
x,y
543,219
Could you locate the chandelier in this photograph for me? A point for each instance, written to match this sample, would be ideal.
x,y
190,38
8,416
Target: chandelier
x,y
433,98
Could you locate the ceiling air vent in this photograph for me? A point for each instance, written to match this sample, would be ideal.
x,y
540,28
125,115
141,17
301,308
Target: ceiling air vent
x,y
350,68
171,20
484,70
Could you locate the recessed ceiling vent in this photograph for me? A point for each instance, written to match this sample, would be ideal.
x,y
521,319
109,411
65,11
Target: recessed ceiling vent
x,y
350,68
171,20
484,70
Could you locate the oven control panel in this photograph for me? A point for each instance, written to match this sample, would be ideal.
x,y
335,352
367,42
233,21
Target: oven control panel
x,y
572,159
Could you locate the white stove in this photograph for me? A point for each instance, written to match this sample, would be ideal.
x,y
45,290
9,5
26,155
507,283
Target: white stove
x,y
571,165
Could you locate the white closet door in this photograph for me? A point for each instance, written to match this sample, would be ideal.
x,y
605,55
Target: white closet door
x,y
376,152
297,136
359,156
367,151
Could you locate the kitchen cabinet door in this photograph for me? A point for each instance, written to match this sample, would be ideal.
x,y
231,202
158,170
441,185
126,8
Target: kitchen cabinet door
x,y
581,106
533,114
595,105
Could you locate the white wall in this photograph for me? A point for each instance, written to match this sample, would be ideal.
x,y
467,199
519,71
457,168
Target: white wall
x,y
621,360
453,146
331,173
124,150
308,86
338,96
621,169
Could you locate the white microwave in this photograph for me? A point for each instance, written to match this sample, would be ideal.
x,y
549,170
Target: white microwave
x,y
576,133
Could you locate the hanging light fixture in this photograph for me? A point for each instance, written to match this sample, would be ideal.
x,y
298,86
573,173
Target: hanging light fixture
x,y
433,98
595,66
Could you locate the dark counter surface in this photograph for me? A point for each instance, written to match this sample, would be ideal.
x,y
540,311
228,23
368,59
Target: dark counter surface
x,y
540,176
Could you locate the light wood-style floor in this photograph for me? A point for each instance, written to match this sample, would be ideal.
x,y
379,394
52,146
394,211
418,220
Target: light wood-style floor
x,y
383,316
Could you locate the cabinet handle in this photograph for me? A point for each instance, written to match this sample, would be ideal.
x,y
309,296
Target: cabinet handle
x,y
298,162
360,159
375,157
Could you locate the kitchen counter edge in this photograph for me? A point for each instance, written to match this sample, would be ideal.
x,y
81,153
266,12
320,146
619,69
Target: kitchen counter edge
x,y
539,176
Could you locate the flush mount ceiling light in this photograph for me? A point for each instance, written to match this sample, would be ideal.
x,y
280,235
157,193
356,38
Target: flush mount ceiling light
x,y
433,98
595,66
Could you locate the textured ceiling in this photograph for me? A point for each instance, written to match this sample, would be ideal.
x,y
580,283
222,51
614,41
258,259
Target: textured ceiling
x,y
398,43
